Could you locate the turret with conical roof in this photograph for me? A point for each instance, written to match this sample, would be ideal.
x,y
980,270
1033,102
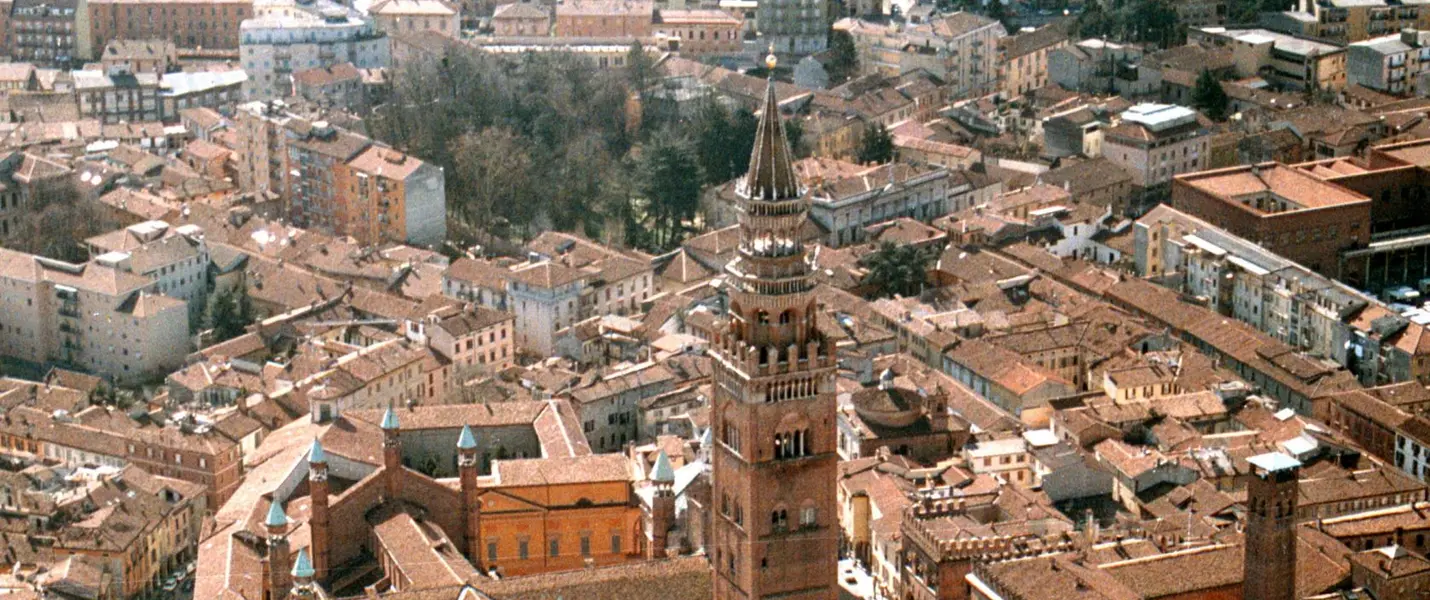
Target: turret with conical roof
x,y
662,505
467,471
278,567
318,507
302,566
392,451
467,440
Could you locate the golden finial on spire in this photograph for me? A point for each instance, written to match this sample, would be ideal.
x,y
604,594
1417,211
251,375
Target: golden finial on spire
x,y
770,60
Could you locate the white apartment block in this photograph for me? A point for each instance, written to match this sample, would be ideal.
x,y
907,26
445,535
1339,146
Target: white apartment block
x,y
92,316
1394,64
286,36
176,259
793,26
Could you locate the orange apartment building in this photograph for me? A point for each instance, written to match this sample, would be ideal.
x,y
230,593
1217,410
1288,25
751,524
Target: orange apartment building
x,y
187,23
701,31
384,195
604,19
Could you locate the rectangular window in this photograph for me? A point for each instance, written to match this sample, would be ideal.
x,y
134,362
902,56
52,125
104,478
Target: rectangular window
x,y
615,544
555,547
491,550
523,549
585,545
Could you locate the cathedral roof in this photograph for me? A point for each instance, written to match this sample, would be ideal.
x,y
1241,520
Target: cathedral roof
x,y
771,175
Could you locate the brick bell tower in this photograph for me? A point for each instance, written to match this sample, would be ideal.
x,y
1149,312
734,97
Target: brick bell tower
x,y
774,520
1271,496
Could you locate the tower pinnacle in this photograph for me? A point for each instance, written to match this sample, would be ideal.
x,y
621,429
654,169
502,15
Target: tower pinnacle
x,y
771,175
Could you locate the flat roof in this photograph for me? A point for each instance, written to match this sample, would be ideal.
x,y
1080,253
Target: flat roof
x,y
1274,461
1282,41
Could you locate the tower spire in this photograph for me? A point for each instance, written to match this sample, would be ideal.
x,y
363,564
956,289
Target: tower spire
x,y
771,175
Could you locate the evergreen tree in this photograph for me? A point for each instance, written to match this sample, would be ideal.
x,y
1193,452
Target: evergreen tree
x,y
843,57
897,270
1209,97
640,68
667,181
877,147
998,12
229,314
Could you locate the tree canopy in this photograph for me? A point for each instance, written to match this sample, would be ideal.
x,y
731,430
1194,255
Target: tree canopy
x,y
877,146
897,270
1209,97
228,314
844,57
671,193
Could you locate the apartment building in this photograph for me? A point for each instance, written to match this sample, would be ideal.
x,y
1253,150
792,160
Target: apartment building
x,y
219,90
140,56
336,181
389,373
1279,297
1098,66
565,280
1394,64
176,259
147,528
701,32
115,95
285,36
335,85
387,196
1288,61
470,339
50,33
604,19
846,204
207,24
314,151
1156,142
521,19
1023,59
93,316
796,27
1284,209
961,49
1345,21
412,16
31,175
609,408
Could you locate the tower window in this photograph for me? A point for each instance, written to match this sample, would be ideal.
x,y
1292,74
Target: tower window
x,y
807,517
